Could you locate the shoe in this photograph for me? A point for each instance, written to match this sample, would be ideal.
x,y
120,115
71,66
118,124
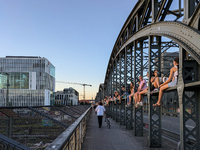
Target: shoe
x,y
141,103
156,105
138,104
155,89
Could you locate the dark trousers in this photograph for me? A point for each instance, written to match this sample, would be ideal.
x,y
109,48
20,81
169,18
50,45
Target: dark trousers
x,y
100,118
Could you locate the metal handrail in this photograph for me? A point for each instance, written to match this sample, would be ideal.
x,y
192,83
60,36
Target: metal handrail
x,y
8,143
63,140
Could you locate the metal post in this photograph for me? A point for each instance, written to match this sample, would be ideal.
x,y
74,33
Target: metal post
x,y
129,117
117,111
154,9
125,80
188,72
189,7
125,71
138,71
111,83
120,80
111,107
129,65
122,112
154,62
115,74
114,110
138,121
138,62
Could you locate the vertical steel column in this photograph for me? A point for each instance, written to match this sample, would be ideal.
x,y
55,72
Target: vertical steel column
x,y
113,81
129,110
111,109
125,72
122,112
138,71
113,105
125,80
115,66
138,123
189,7
120,72
154,113
188,100
114,111
118,88
110,78
138,62
117,112
114,77
129,117
118,119
122,80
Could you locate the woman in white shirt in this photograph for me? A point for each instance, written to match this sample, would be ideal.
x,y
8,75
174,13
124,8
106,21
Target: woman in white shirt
x,y
100,111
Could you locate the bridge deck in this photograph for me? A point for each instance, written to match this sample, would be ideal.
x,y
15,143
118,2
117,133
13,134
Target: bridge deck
x,y
117,138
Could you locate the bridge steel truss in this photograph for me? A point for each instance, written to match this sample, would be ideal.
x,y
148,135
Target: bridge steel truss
x,y
145,27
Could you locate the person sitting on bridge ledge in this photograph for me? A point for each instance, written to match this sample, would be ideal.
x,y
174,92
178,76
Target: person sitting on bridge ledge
x,y
155,84
124,93
131,95
171,81
142,87
117,97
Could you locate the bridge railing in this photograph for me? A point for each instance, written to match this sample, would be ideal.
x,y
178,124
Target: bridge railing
x,y
72,137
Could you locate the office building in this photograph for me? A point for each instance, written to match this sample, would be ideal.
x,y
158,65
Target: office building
x,y
31,81
68,96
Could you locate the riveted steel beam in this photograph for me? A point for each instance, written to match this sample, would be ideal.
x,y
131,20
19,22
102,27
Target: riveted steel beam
x,y
138,71
194,19
183,35
188,72
138,62
154,113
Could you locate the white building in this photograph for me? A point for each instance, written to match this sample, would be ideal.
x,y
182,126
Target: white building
x,y
68,96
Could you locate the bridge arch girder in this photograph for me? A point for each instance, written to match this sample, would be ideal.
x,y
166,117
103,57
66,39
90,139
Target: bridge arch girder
x,y
185,36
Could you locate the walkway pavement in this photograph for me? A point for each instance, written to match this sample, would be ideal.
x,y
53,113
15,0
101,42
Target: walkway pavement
x,y
116,138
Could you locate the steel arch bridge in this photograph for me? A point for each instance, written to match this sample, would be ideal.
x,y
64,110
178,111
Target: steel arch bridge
x,y
150,31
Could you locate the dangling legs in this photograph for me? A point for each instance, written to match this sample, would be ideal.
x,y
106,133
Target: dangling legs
x,y
129,97
160,95
141,95
157,83
136,97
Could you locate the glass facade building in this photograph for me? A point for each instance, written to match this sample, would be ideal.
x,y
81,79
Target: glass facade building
x,y
31,80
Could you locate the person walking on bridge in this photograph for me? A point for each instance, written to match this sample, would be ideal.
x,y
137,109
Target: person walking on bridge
x,y
100,111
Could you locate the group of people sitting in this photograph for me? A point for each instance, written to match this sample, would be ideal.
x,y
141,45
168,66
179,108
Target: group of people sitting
x,y
157,83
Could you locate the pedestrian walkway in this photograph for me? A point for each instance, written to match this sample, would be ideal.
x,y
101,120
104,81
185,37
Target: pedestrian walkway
x,y
116,138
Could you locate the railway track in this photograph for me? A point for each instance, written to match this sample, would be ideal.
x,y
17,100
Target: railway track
x,y
172,136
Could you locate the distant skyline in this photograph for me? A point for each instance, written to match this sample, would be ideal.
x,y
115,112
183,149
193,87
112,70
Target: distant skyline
x,y
76,36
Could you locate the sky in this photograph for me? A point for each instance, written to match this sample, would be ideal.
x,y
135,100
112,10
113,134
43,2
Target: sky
x,y
76,36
